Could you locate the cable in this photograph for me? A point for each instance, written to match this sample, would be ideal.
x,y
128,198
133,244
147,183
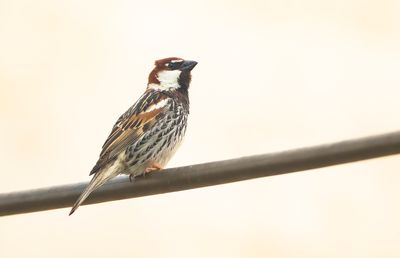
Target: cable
x,y
208,174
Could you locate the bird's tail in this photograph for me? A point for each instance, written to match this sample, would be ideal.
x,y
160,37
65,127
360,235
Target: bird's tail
x,y
98,180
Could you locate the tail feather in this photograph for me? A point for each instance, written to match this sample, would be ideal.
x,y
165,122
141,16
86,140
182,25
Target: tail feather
x,y
97,181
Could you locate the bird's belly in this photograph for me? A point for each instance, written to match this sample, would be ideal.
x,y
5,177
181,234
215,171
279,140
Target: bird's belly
x,y
159,153
164,157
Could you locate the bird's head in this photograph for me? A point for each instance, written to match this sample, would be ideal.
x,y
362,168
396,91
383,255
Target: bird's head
x,y
171,73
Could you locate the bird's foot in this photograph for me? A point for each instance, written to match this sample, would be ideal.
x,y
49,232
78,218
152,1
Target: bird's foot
x,y
131,178
154,167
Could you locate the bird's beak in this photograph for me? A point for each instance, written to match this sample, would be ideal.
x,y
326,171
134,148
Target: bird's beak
x,y
188,65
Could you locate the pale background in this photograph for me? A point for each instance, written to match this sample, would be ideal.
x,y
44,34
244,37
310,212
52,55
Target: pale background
x,y
272,75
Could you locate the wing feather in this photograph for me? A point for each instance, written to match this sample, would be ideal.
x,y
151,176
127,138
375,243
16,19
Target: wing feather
x,y
130,127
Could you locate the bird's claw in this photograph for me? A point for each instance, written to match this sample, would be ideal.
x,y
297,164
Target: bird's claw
x,y
155,166
131,178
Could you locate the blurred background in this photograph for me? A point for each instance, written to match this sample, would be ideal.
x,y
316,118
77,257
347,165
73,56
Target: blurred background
x,y
272,75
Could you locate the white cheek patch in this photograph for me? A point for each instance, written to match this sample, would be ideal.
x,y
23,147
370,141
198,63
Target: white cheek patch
x,y
168,80
169,77
159,105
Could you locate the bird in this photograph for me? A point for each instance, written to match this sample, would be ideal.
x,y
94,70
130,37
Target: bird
x,y
148,134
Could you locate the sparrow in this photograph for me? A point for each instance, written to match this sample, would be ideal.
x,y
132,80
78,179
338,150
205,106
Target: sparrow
x,y
148,134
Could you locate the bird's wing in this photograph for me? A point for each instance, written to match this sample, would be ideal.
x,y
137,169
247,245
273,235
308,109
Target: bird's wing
x,y
131,126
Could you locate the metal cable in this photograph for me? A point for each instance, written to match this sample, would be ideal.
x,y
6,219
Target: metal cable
x,y
208,174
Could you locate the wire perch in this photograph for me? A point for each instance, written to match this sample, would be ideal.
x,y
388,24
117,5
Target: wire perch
x,y
208,174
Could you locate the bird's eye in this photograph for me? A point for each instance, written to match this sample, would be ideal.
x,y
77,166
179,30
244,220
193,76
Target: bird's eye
x,y
175,64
